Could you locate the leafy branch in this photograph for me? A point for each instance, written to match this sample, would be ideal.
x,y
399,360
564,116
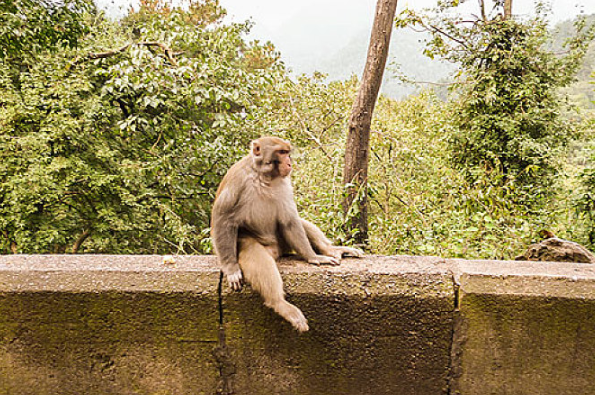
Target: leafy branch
x,y
169,54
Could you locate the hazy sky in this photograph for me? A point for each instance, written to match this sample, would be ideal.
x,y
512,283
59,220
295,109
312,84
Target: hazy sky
x,y
350,15
313,28
273,14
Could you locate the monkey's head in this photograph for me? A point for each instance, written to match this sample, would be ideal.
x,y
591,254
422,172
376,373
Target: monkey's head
x,y
272,156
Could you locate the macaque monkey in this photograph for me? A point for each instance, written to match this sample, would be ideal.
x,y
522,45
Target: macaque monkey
x,y
255,221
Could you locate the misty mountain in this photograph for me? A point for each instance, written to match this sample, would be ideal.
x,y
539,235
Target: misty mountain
x,y
406,58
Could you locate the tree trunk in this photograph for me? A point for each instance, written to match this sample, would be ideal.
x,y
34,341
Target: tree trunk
x,y
507,9
357,149
13,246
86,233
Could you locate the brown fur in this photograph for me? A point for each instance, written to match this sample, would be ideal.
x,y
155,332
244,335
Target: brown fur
x,y
255,220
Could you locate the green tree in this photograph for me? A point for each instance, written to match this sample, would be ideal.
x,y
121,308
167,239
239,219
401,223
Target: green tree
x,y
119,146
507,117
585,201
30,26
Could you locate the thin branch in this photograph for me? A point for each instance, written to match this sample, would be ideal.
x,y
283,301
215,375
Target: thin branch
x,y
86,233
307,131
438,30
436,83
328,126
107,54
101,55
449,36
156,142
168,52
178,247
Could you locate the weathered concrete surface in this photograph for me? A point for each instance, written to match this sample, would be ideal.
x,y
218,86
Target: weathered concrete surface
x,y
122,325
107,325
380,325
377,326
524,328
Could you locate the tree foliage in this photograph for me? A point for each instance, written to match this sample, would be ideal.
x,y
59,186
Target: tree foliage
x,y
508,114
30,26
584,193
117,144
123,141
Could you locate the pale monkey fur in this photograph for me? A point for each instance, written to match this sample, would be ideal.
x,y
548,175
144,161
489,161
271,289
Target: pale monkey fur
x,y
255,221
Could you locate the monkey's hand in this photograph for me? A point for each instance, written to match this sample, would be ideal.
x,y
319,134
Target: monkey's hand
x,y
235,280
323,259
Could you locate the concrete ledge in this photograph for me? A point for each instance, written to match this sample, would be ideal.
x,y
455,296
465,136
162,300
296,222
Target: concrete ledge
x,y
381,325
524,328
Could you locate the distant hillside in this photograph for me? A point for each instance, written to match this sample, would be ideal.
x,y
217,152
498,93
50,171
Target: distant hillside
x,y
406,51
581,91
406,58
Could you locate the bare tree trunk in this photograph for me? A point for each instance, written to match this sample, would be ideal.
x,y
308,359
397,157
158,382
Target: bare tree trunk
x,y
13,246
482,7
507,9
86,233
357,150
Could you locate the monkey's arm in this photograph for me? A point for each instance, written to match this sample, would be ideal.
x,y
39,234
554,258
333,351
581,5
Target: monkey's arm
x,y
224,232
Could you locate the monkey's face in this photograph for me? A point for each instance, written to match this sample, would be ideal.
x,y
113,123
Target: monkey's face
x,y
272,156
283,162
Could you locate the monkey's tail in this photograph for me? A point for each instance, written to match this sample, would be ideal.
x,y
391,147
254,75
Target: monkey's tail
x,y
220,297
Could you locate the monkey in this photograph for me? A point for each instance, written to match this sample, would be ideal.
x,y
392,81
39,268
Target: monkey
x,y
255,220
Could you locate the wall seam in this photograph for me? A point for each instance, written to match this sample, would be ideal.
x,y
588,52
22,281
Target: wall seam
x,y
223,358
455,340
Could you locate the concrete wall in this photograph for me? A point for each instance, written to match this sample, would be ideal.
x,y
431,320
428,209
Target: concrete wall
x,y
380,325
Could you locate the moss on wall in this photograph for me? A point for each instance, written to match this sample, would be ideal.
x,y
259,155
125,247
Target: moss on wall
x,y
519,344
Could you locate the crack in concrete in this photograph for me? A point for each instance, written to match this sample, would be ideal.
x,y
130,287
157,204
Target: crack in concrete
x,y
454,367
225,364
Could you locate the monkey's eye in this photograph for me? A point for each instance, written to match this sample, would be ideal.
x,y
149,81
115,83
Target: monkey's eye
x,y
284,152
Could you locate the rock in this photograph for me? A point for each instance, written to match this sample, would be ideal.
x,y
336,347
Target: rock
x,y
555,249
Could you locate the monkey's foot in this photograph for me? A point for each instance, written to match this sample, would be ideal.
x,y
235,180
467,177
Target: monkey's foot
x,y
299,322
291,314
323,259
301,326
339,252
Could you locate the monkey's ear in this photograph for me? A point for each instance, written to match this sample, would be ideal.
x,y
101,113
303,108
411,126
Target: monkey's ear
x,y
256,148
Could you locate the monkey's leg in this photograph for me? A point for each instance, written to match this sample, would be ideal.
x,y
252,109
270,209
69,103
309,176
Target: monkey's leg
x,y
260,270
323,245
